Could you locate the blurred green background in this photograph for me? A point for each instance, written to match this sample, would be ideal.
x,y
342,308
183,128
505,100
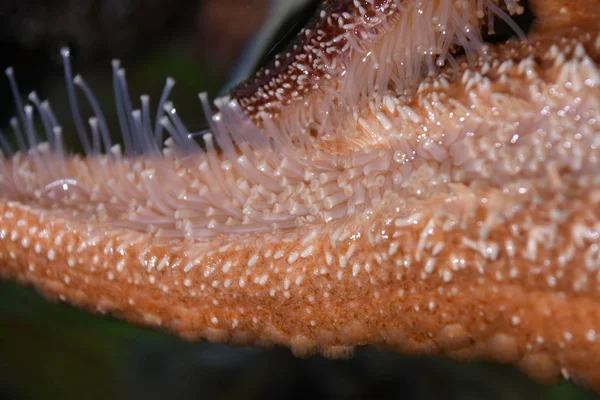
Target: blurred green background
x,y
52,351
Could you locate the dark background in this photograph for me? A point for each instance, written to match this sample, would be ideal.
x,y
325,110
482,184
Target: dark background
x,y
52,351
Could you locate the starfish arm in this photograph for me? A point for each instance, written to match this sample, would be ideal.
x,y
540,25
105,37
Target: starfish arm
x,y
462,219
381,278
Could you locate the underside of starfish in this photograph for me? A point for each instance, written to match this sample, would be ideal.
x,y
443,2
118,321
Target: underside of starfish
x,y
391,178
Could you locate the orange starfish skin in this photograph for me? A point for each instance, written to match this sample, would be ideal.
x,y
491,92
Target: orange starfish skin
x,y
297,291
500,264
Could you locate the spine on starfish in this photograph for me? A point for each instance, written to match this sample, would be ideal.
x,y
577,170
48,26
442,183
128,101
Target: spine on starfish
x,y
355,51
347,195
270,176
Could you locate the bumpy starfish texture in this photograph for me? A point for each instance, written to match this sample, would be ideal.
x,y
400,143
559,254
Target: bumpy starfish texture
x,y
454,213
352,52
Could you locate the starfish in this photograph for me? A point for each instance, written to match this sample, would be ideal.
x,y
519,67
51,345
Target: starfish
x,y
391,179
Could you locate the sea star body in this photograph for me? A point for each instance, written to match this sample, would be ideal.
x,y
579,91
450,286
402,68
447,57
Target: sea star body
x,y
353,200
